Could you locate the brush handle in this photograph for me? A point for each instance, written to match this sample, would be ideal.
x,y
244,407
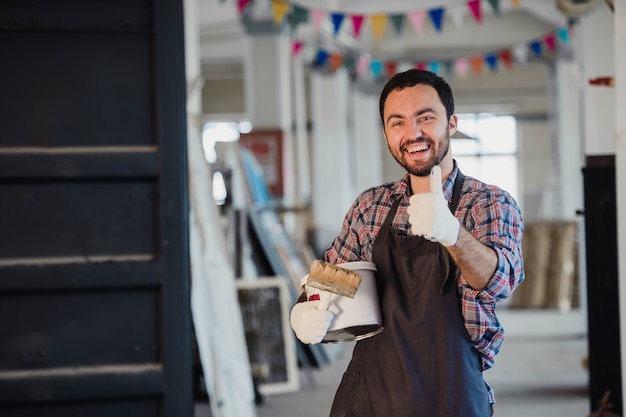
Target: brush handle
x,y
324,300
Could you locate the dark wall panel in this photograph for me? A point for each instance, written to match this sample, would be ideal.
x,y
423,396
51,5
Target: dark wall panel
x,y
80,219
89,90
92,328
94,276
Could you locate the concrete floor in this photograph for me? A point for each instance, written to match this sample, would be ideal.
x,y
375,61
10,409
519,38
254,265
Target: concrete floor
x,y
539,372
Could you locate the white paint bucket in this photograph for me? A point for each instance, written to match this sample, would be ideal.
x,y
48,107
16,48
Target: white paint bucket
x,y
358,317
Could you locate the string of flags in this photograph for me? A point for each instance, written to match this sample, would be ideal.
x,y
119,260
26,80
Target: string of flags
x,y
364,66
294,15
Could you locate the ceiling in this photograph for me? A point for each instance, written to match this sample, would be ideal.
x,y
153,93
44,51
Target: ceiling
x,y
222,31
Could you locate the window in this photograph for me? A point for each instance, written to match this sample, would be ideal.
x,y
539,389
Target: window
x,y
485,147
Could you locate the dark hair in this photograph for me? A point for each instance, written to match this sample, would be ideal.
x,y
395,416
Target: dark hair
x,y
414,77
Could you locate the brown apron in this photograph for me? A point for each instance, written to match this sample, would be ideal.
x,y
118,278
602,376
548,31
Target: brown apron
x,y
423,364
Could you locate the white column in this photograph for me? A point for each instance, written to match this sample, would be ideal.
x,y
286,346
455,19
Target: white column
x,y
620,168
570,141
596,35
215,310
267,75
366,141
332,154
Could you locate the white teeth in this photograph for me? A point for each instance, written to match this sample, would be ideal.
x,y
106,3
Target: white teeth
x,y
417,148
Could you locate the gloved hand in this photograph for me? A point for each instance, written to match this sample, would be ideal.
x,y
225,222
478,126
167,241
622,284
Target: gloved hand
x,y
310,323
430,215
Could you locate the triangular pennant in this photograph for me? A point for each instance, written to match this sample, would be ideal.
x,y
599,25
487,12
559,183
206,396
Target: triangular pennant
x,y
421,65
436,15
298,15
336,59
506,56
515,3
417,20
461,66
477,64
376,68
457,15
550,40
397,21
296,47
563,34
357,24
535,46
521,53
350,64
337,20
391,67
495,5
474,6
434,67
242,5
492,62
279,10
379,23
448,68
361,67
318,17
322,58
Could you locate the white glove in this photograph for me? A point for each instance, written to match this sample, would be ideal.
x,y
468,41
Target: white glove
x,y
309,323
430,215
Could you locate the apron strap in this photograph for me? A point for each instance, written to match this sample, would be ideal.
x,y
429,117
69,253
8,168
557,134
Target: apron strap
x,y
456,191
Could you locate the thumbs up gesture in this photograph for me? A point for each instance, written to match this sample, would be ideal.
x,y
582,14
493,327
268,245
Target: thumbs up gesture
x,y
430,216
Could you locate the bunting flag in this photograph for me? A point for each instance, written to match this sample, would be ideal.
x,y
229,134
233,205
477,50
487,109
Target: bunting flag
x,y
492,62
436,16
298,16
536,47
337,19
379,23
397,21
495,5
477,64
391,68
550,40
296,47
318,17
242,5
474,6
417,20
362,67
462,66
376,68
357,24
336,60
505,58
279,10
457,16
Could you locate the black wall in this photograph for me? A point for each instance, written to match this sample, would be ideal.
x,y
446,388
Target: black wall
x,y
602,281
94,275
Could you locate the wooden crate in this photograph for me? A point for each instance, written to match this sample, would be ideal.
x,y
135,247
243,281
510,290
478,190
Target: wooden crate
x,y
550,258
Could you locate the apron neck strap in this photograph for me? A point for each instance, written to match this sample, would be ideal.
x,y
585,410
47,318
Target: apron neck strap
x,y
456,197
456,191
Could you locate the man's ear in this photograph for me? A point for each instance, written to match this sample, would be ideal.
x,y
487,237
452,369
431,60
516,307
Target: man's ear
x,y
452,124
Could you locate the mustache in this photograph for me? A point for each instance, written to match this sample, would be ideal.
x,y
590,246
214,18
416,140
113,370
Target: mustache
x,y
420,139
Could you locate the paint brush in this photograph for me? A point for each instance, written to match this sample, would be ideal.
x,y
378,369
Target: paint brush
x,y
332,279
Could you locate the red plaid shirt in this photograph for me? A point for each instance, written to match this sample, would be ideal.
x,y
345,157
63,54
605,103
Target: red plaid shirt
x,y
488,212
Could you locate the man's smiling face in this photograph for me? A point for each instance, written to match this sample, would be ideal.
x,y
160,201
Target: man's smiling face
x,y
417,129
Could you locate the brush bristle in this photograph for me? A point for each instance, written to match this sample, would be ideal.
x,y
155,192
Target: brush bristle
x,y
329,277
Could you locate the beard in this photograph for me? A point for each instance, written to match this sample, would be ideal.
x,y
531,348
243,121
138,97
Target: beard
x,y
422,168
